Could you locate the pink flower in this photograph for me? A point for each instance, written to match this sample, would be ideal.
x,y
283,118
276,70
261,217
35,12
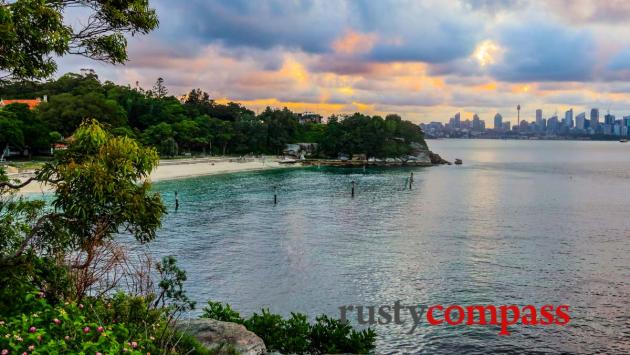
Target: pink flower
x,y
41,295
100,329
32,330
31,347
81,305
56,321
2,323
134,344
97,353
4,352
86,330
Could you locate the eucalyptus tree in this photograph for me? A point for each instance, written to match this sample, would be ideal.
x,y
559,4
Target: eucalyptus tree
x,y
34,32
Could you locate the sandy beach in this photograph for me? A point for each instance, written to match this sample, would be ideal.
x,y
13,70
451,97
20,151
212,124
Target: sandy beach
x,y
185,168
178,169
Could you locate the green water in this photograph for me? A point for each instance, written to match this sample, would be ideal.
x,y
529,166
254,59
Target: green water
x,y
518,223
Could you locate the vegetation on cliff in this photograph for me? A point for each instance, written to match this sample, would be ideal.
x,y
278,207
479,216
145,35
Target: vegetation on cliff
x,y
196,125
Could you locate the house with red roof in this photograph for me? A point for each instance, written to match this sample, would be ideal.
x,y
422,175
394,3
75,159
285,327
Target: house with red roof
x,y
31,103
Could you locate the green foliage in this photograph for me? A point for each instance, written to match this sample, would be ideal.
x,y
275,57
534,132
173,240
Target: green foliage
x,y
333,336
65,112
372,136
99,191
33,31
108,325
199,124
10,131
295,335
171,286
219,311
29,272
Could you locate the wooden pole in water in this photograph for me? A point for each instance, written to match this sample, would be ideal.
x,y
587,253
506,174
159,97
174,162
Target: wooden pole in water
x,y
410,181
353,188
176,201
275,196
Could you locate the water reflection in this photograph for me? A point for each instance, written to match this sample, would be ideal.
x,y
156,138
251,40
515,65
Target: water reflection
x,y
518,223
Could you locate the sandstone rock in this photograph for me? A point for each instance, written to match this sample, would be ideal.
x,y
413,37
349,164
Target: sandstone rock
x,y
215,334
437,159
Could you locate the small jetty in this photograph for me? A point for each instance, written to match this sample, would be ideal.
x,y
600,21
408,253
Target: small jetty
x,y
458,162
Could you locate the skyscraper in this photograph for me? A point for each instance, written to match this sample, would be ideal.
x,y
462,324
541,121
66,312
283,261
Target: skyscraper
x,y
568,118
580,121
476,123
539,120
498,121
552,124
594,118
457,121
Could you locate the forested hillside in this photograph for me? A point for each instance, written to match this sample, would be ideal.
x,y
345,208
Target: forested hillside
x,y
196,124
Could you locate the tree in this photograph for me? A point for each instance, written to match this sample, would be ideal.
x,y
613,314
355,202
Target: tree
x,y
159,90
10,132
64,113
32,32
281,128
100,190
162,137
36,132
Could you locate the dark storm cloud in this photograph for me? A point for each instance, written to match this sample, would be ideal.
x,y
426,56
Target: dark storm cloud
x,y
406,30
621,61
538,51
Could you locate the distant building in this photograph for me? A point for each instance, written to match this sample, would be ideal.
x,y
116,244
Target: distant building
x,y
31,103
568,118
300,150
476,123
523,126
553,124
607,129
309,117
617,128
506,126
498,121
609,119
457,121
580,121
594,118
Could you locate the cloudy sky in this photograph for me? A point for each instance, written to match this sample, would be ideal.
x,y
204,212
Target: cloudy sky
x,y
423,59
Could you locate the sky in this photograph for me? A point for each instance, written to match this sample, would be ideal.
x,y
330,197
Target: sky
x,y
423,59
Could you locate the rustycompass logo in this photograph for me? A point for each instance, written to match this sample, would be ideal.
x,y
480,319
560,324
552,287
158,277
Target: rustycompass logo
x,y
502,316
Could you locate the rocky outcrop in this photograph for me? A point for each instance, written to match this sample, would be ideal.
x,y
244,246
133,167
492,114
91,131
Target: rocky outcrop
x,y
215,334
437,159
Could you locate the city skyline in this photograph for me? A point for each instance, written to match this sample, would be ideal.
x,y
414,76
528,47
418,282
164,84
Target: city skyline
x,y
423,60
569,125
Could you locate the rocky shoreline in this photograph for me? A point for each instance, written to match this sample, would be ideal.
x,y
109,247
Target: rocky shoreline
x,y
423,158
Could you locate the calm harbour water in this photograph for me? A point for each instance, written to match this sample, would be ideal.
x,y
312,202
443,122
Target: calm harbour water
x,y
521,222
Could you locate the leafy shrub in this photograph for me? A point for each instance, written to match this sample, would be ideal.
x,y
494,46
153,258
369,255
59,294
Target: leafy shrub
x,y
24,274
295,334
224,313
119,324
333,336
